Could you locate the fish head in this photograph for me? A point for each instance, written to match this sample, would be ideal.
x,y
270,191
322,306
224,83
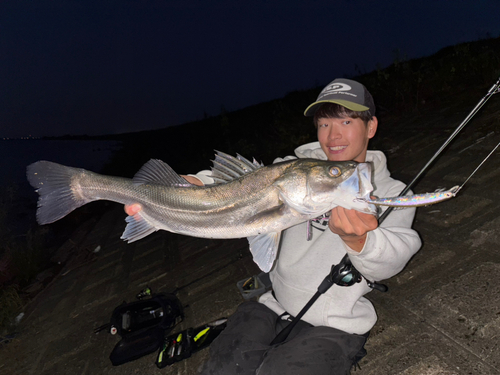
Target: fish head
x,y
313,187
357,185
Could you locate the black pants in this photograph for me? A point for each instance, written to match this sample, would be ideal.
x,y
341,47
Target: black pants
x,y
243,347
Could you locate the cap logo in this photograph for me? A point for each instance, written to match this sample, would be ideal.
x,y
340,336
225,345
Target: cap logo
x,y
337,88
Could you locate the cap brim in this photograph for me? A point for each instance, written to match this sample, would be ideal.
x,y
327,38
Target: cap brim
x,y
311,110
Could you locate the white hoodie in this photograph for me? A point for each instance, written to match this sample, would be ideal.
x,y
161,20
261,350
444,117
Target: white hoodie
x,y
302,265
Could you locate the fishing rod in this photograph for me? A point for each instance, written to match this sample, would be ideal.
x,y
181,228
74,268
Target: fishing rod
x,y
495,89
344,273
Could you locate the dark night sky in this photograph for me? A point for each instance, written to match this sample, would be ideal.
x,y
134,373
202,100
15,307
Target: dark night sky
x,y
100,67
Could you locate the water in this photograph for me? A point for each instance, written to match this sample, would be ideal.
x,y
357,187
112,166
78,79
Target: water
x,y
16,155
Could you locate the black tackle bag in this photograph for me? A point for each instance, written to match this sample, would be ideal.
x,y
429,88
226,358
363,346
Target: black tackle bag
x,y
143,326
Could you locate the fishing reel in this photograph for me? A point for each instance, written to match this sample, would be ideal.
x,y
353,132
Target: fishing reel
x,y
345,274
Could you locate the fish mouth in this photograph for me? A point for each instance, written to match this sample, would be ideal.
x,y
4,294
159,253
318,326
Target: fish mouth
x,y
360,183
364,174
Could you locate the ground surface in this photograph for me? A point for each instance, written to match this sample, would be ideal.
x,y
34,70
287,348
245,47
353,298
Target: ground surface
x,y
441,315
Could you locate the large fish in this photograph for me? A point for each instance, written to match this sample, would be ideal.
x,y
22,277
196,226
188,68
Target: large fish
x,y
248,200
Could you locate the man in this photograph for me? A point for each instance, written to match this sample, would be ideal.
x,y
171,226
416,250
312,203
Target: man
x,y
330,337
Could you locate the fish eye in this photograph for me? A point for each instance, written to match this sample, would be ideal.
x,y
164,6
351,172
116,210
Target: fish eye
x,y
335,171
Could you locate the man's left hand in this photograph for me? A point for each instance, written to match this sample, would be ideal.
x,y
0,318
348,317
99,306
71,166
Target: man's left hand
x,y
352,226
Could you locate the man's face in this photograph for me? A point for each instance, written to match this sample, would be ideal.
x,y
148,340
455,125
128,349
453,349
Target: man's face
x,y
345,138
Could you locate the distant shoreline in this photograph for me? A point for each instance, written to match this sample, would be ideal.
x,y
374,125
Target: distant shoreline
x,y
67,138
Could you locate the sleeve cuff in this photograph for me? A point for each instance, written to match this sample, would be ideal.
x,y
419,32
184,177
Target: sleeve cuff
x,y
356,253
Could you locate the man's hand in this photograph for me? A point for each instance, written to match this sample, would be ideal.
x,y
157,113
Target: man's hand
x,y
132,209
352,226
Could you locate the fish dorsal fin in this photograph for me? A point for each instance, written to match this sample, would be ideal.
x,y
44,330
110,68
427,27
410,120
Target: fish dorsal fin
x,y
227,168
159,172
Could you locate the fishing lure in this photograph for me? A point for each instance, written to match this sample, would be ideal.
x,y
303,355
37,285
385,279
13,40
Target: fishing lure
x,y
414,200
401,201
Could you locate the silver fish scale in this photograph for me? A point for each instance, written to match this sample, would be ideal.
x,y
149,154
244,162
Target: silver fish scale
x,y
213,212
211,218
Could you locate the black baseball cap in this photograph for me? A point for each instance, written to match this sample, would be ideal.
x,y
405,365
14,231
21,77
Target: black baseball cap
x,y
348,93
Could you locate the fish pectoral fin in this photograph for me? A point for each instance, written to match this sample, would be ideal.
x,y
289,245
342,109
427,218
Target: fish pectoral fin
x,y
137,227
264,248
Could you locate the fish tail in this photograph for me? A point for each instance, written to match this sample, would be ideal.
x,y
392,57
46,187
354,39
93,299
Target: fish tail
x,y
55,184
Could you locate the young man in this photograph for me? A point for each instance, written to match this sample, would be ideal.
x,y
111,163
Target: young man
x,y
330,337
